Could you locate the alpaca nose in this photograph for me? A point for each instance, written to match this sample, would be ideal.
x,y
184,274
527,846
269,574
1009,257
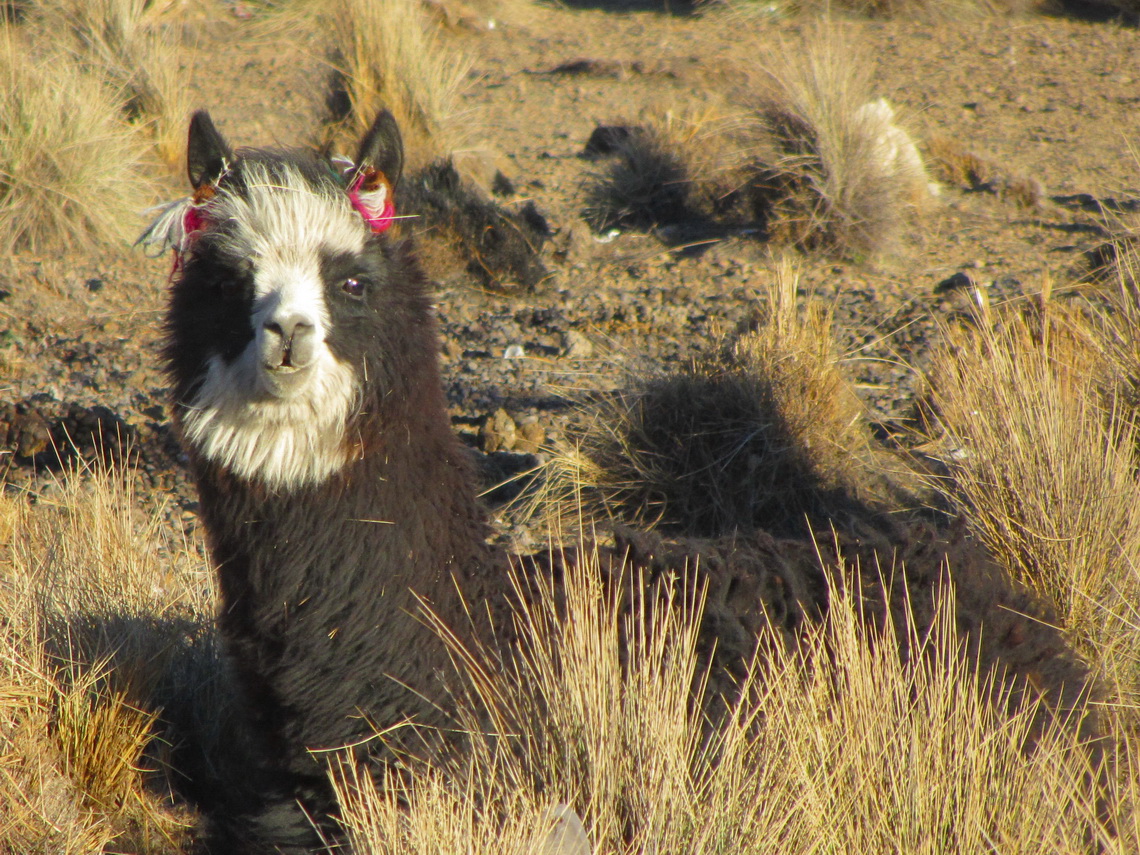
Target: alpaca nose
x,y
293,340
287,327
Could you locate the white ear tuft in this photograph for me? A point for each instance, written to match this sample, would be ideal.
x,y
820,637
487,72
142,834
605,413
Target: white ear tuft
x,y
564,833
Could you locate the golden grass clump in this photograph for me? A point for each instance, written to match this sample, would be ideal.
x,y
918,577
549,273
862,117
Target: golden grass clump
x,y
841,745
757,435
813,161
647,185
835,171
133,47
387,54
428,814
672,168
1116,262
1042,459
71,171
89,623
1118,327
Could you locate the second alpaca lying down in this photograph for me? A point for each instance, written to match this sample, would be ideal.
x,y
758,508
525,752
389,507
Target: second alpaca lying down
x,y
302,349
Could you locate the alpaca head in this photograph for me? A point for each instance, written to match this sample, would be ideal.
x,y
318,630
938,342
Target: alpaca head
x,y
290,312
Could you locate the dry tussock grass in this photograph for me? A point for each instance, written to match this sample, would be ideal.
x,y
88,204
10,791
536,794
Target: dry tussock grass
x,y
460,228
757,435
93,607
648,185
1118,327
672,168
834,170
1117,262
814,161
86,84
133,47
388,54
840,745
71,172
1043,466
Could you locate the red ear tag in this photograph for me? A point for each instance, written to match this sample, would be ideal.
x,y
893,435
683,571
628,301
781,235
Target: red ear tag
x,y
194,220
371,196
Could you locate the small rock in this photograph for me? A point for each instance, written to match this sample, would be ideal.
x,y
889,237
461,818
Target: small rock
x,y
28,434
498,432
957,282
596,67
450,349
514,351
530,438
576,346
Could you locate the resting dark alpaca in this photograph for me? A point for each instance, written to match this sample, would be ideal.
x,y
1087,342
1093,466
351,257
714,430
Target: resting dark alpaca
x,y
302,350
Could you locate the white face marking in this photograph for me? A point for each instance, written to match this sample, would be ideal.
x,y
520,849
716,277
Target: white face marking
x,y
267,417
282,442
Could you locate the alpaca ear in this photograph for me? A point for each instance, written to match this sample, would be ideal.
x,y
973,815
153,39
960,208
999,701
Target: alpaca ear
x,y
207,152
382,148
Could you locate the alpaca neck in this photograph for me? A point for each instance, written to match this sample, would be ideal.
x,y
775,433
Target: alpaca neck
x,y
338,575
402,512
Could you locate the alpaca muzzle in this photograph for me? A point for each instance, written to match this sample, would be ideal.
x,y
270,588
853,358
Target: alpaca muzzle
x,y
291,342
288,346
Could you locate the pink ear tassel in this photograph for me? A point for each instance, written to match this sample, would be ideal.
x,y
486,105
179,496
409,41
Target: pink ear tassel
x,y
193,221
371,196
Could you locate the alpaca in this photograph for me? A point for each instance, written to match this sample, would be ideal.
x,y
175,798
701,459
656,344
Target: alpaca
x,y
300,344
301,347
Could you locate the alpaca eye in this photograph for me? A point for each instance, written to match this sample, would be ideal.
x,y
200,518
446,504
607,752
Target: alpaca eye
x,y
354,287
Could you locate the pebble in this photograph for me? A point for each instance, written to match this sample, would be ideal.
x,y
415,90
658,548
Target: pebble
x,y
957,282
576,346
530,437
498,432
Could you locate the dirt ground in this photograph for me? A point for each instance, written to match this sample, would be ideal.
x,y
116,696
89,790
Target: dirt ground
x,y
1045,98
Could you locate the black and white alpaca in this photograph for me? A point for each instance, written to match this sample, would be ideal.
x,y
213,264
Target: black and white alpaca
x,y
301,346
302,350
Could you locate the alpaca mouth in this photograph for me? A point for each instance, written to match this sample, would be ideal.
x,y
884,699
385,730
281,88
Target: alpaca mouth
x,y
282,359
285,364
285,379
